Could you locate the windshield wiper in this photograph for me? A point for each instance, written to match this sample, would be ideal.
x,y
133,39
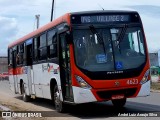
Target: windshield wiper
x,y
99,37
122,34
94,31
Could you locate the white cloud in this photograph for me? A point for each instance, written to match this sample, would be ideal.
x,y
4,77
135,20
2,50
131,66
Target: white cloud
x,y
152,32
150,15
8,30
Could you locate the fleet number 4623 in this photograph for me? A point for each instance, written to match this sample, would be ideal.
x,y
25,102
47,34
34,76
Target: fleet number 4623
x,y
132,81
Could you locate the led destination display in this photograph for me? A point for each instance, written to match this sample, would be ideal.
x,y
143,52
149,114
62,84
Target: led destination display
x,y
104,18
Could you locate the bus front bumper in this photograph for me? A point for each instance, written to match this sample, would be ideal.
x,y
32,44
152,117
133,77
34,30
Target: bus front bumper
x,y
82,95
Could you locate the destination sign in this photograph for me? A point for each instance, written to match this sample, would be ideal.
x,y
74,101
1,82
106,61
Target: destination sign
x,y
105,18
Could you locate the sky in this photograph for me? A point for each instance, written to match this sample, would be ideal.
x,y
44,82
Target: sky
x,y
17,17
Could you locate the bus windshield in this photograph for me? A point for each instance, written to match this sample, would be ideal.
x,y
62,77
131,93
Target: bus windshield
x,y
109,49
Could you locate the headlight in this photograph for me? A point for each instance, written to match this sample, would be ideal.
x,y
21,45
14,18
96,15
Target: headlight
x,y
82,83
145,77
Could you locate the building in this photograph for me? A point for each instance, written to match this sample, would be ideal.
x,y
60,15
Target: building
x,y
154,63
155,66
3,64
154,59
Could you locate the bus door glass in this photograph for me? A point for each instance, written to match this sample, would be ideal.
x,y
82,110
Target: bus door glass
x,y
65,72
29,63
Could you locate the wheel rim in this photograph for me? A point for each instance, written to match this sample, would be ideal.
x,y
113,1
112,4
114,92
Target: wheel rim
x,y
57,99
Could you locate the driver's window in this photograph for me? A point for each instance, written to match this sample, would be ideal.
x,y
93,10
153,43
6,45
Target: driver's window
x,y
141,42
134,37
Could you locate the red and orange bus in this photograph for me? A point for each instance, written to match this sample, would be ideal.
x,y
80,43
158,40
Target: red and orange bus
x,y
82,57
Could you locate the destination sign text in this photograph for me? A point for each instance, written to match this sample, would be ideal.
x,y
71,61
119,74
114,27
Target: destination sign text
x,y
104,18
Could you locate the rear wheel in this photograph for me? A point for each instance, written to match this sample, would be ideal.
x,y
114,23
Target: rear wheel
x,y
59,105
119,103
26,98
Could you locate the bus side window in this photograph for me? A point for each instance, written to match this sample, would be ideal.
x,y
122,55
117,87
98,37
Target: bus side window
x,y
52,44
141,41
21,54
43,47
10,57
17,55
14,53
35,49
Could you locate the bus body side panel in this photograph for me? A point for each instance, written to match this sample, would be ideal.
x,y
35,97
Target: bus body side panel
x,y
52,72
32,82
26,80
15,77
145,89
43,74
21,74
83,95
37,76
11,80
11,83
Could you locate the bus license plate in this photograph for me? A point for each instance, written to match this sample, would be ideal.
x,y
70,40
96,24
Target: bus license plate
x,y
117,97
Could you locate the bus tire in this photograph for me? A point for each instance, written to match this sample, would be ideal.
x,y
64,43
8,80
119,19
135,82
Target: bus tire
x,y
59,105
25,97
119,103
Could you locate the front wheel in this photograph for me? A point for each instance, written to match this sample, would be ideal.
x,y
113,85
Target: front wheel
x,y
119,103
59,105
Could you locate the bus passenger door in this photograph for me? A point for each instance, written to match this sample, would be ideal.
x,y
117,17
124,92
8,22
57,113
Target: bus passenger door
x,y
14,65
29,62
65,71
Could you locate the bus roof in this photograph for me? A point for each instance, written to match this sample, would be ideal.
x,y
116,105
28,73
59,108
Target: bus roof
x,y
64,18
103,11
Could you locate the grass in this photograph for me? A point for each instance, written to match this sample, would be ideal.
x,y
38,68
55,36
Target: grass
x,y
155,85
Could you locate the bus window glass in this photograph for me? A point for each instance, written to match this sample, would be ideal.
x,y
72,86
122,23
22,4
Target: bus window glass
x,y
53,51
21,54
128,49
51,36
35,50
134,38
52,44
95,52
43,53
92,50
141,42
10,57
43,40
42,47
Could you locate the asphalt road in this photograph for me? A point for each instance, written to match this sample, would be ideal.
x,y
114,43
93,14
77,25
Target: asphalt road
x,y
104,110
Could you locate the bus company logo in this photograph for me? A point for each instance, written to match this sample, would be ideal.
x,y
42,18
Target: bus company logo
x,y
117,83
10,115
115,72
50,67
6,114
